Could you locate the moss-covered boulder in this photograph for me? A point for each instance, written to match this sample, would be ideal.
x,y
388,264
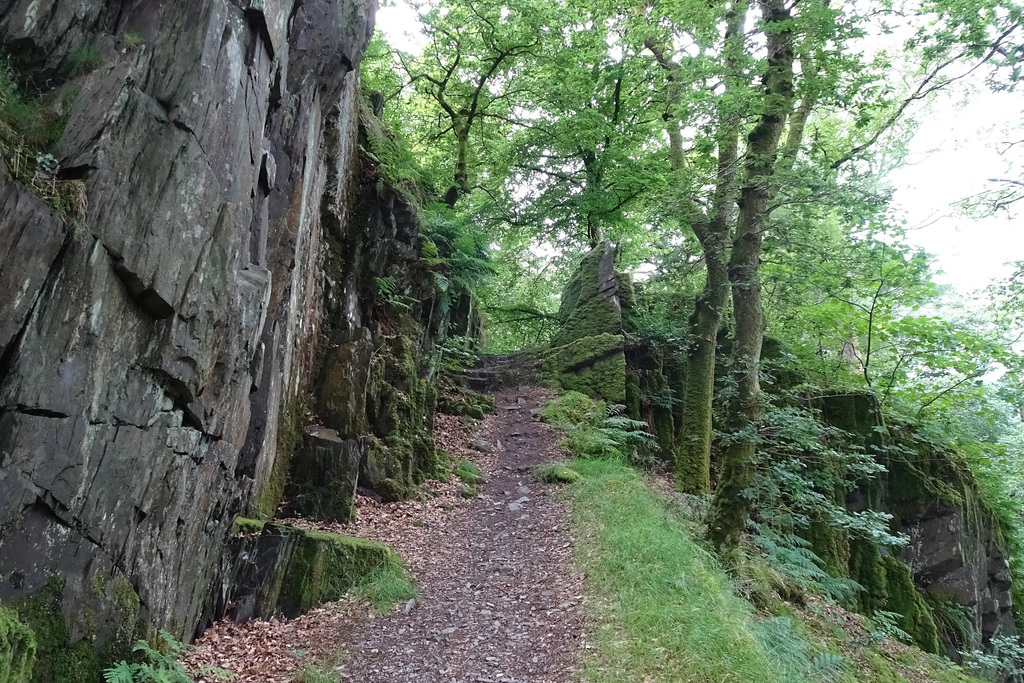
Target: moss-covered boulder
x,y
71,644
590,303
956,551
587,352
324,566
285,570
17,648
594,365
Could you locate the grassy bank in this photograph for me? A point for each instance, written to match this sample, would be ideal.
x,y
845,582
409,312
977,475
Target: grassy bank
x,y
660,607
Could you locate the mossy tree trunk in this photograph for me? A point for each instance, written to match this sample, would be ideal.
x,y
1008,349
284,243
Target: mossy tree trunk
x,y
693,457
732,505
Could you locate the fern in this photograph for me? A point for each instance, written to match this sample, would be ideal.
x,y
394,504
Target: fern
x,y
886,625
792,555
159,667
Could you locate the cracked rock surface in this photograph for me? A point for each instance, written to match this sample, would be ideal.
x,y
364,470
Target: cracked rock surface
x,y
146,350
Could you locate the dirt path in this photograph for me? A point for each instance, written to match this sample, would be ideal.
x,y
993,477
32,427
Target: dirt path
x,y
498,592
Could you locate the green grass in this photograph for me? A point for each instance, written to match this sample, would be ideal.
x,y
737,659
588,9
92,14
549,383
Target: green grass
x,y
469,473
661,608
386,586
316,674
25,121
85,58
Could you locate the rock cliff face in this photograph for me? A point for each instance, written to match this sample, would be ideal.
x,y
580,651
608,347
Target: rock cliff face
x,y
956,552
156,352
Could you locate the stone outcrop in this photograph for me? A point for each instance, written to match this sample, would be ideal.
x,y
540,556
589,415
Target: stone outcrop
x,y
278,569
162,355
586,354
955,561
597,351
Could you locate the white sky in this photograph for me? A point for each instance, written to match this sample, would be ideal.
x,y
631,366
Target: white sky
x,y
953,153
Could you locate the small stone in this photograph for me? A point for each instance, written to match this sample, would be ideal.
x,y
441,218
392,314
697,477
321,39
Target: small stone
x,y
515,507
521,400
524,490
408,606
448,631
482,447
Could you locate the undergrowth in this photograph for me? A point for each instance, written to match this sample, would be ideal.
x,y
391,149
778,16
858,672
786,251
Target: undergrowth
x,y
595,429
160,662
662,608
29,128
385,587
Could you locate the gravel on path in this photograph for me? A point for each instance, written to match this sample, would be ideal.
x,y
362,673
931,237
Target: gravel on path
x,y
499,595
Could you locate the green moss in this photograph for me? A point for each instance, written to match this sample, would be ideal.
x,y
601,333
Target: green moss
x,y
905,599
633,396
585,311
832,545
291,422
323,566
595,366
867,569
57,658
556,473
468,473
244,527
17,648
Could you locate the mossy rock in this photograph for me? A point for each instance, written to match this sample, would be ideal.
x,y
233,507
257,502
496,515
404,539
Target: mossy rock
x,y
465,403
323,566
17,648
595,366
246,527
324,473
59,659
595,317
556,473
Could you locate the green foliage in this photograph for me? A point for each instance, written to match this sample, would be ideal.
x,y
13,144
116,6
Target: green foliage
x,y
794,655
468,473
387,292
887,625
85,58
594,429
159,662
133,39
792,555
26,122
17,648
317,674
804,470
386,586
1004,662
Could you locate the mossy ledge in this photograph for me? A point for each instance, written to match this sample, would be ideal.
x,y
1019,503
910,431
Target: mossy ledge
x,y
286,570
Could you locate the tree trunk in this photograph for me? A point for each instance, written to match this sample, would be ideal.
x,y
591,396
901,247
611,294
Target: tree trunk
x,y
460,186
693,458
732,504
